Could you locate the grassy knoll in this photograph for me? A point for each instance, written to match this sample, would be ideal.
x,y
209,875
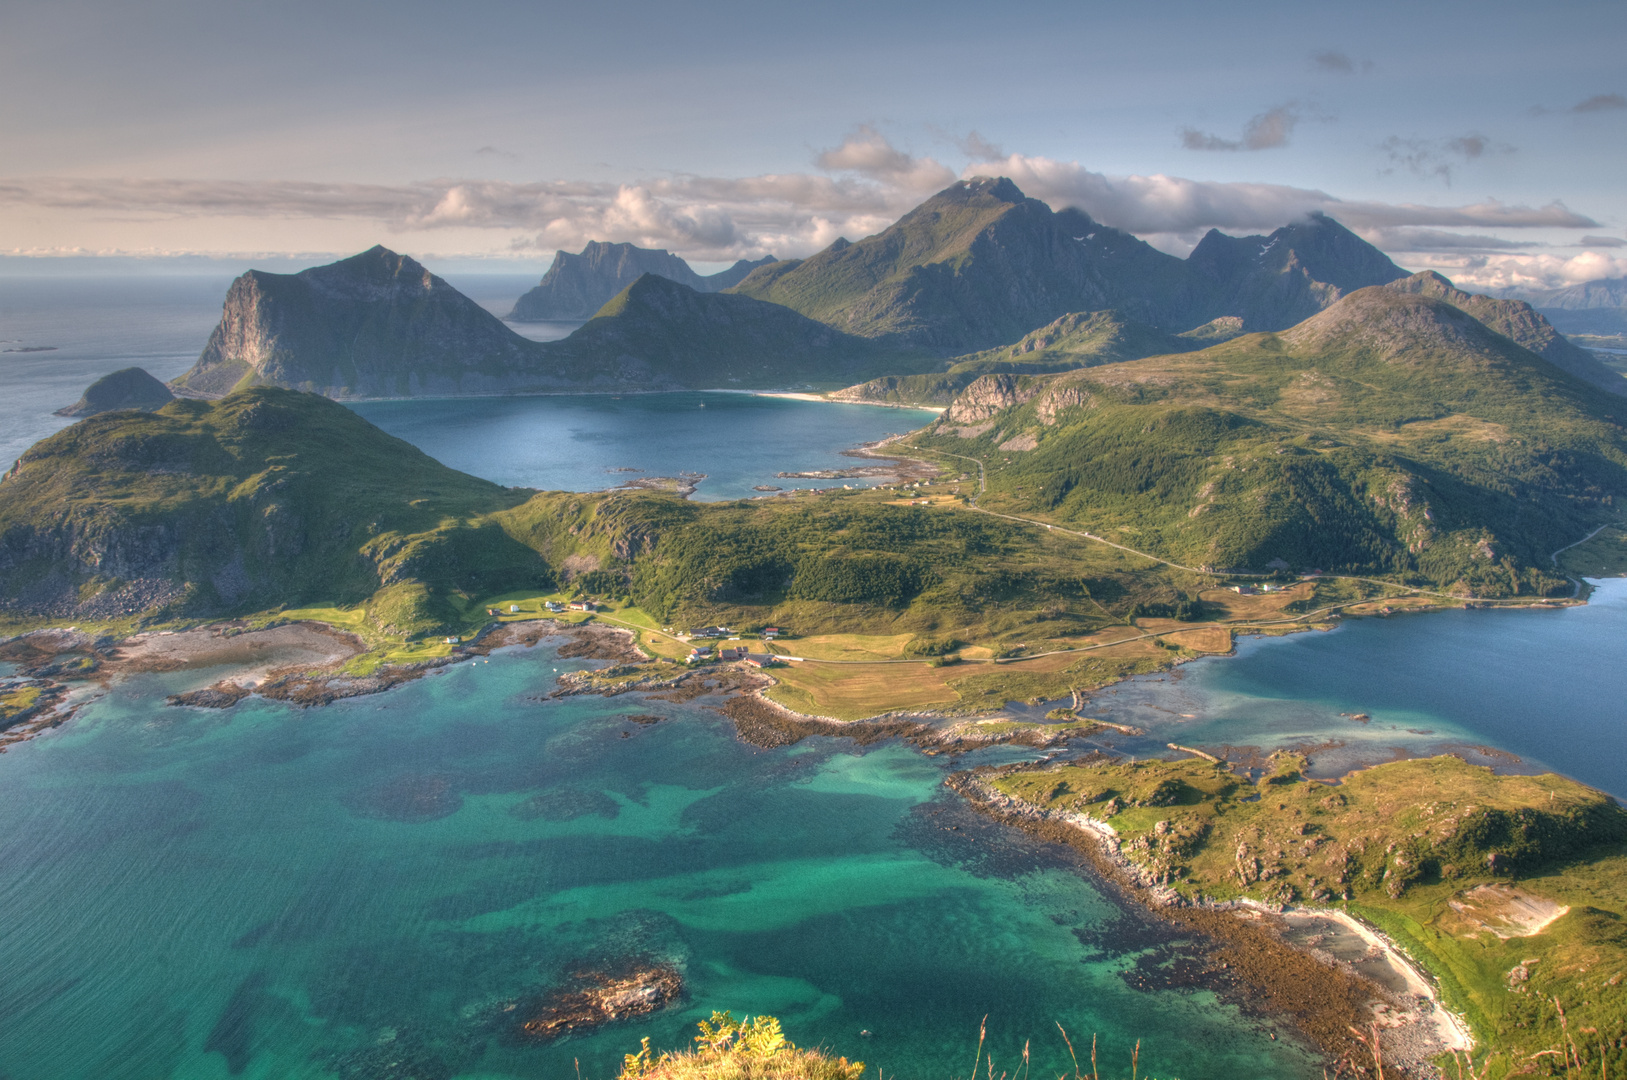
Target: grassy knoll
x,y
1511,889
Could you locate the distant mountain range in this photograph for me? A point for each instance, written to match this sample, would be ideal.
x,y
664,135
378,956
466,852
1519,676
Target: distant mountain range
x,y
577,286
380,325
978,279
979,265
1593,307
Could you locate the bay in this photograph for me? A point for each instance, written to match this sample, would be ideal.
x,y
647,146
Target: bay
x,y
270,892
1546,686
582,442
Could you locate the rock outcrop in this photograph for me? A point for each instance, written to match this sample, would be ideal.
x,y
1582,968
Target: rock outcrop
x,y
577,286
128,388
374,325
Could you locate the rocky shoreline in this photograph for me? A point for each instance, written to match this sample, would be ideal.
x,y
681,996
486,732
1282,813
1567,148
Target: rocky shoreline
x,y
1251,962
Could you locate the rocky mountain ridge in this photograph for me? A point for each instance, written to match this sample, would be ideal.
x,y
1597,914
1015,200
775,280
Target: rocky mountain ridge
x,y
979,264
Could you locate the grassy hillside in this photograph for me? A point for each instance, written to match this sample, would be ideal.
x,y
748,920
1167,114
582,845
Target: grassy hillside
x,y
656,332
1512,889
267,498
1077,340
1391,434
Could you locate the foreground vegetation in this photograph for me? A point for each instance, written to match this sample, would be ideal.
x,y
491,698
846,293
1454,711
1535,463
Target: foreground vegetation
x,y
1511,890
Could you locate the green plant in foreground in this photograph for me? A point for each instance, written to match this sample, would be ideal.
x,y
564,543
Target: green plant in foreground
x,y
756,1049
730,1049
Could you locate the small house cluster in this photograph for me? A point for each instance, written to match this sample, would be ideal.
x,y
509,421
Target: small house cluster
x,y
554,606
709,632
583,605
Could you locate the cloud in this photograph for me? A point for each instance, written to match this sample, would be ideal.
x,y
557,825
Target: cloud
x,y
1603,241
1174,205
1600,103
1493,273
1339,63
978,148
1266,131
1438,157
1407,239
870,183
868,153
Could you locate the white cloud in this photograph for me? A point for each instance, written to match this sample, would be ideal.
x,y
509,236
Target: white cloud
x,y
1489,273
868,153
1172,204
867,184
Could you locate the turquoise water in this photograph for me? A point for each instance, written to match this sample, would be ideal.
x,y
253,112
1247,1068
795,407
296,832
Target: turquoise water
x,y
362,890
1548,686
573,442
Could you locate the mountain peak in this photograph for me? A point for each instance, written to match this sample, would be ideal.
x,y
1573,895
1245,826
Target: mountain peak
x,y
998,188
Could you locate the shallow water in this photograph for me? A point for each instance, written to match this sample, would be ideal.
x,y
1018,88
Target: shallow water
x,y
1548,686
272,892
577,442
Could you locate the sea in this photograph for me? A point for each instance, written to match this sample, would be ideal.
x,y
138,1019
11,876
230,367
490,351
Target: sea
x,y
734,445
388,886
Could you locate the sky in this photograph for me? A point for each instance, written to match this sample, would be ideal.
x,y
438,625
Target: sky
x,y
1488,141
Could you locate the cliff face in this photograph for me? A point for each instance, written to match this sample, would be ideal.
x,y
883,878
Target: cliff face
x,y
577,286
375,325
1521,324
130,388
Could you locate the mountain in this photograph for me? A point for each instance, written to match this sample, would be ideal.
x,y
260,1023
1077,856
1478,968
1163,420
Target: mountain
x,y
975,266
1520,323
128,388
1076,340
659,333
1593,307
979,265
1391,433
577,286
1275,281
264,498
380,325
374,325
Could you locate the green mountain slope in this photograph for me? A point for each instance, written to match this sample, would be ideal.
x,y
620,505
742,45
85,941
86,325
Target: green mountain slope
x,y
1077,340
979,265
976,265
659,333
266,498
1520,323
1391,433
